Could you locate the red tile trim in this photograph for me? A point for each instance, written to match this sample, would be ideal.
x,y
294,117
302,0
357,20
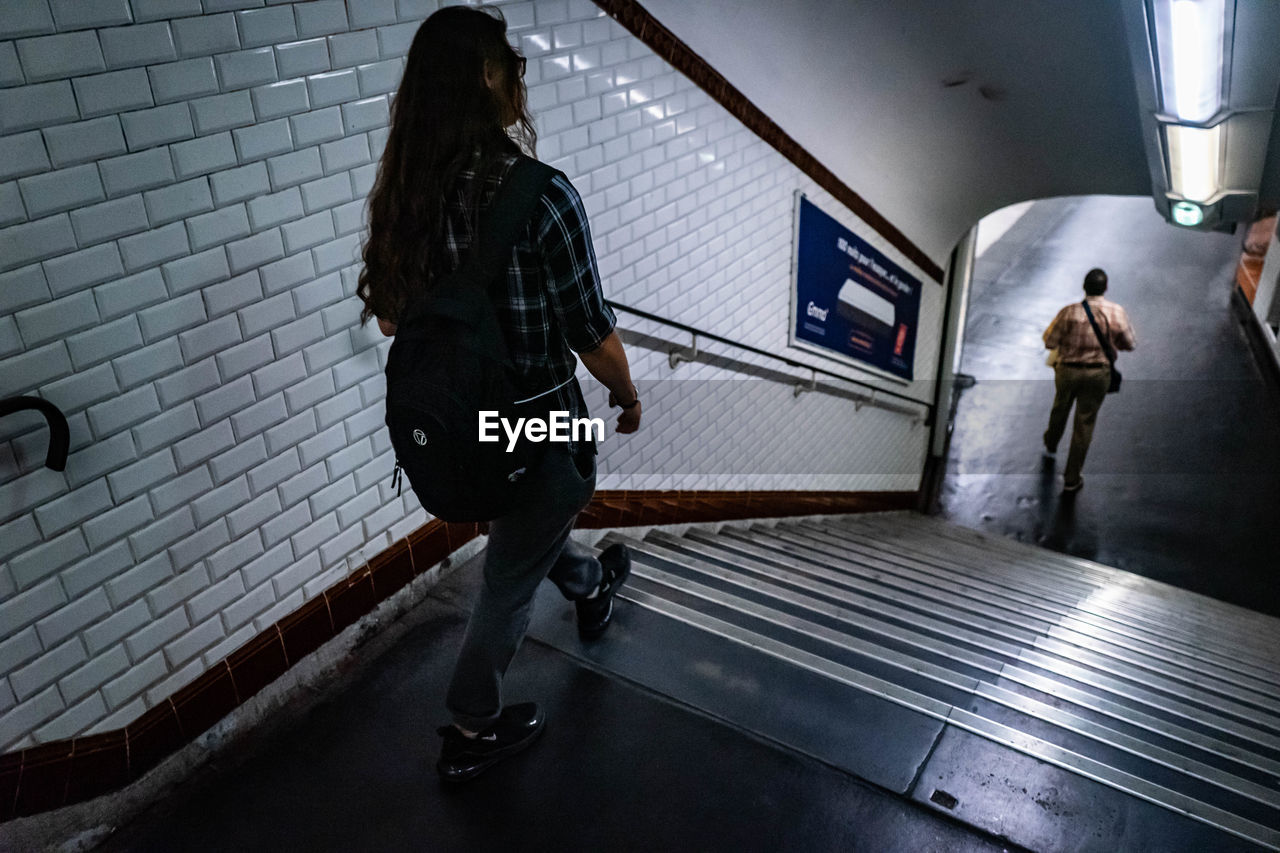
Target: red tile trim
x,y
680,56
70,771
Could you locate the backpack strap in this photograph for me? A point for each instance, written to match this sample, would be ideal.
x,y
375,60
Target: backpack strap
x,y
509,211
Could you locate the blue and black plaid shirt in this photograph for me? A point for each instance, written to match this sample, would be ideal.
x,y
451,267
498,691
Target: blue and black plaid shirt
x,y
554,305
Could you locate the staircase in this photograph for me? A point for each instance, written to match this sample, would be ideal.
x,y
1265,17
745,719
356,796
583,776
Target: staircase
x,y
1049,700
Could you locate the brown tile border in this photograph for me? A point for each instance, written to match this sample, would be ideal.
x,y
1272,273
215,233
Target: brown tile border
x,y
63,772
680,56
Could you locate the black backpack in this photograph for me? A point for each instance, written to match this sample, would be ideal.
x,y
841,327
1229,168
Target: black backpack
x,y
449,361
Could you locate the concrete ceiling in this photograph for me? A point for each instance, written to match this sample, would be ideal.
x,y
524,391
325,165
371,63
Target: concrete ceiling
x,y
937,113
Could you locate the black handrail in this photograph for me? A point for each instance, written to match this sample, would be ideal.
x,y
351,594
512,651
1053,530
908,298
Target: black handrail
x,y
693,331
59,433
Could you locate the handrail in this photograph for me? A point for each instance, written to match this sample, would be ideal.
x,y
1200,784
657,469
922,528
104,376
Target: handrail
x,y
928,407
59,433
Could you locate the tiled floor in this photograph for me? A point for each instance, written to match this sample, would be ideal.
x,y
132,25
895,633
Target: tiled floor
x,y
1182,482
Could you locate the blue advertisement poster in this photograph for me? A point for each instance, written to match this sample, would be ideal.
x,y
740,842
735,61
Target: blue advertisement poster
x,y
849,299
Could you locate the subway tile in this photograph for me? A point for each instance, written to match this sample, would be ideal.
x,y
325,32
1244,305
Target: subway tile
x,y
234,293
230,5
160,432
115,523
205,35
266,314
240,551
239,184
342,252
221,402
127,482
37,105
157,126
38,563
11,68
92,571
334,87
152,10
307,232
27,286
325,193
280,99
246,357
218,226
274,377
350,49
63,55
103,342
321,17
246,68
344,154
179,81
88,14
80,390
25,18
57,319
267,211
318,126
34,241
255,251
134,172
11,210
109,220
178,201
263,140
254,420
203,155
54,192
372,13
349,218
127,295
196,271
180,491
268,26
295,168
113,92
222,112
144,364
395,41
124,411
154,247
240,458
70,510
264,477
171,317
203,445
379,78
78,270
83,141
23,154
284,274
206,339
300,58
140,44
366,114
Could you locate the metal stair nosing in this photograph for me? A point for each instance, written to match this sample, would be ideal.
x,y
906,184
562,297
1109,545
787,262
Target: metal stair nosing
x,y
975,660
940,674
969,721
1165,625
1216,610
1030,635
1016,547
1063,611
1133,693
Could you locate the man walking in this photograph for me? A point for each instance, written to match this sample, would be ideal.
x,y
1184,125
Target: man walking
x,y
1082,372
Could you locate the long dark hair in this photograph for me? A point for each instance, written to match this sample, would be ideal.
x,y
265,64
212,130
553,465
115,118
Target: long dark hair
x,y
444,118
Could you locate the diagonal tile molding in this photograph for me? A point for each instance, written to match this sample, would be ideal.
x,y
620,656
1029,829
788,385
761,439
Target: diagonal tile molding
x,y
65,772
680,56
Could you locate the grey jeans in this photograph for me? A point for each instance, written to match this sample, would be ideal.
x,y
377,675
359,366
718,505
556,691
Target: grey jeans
x,y
525,546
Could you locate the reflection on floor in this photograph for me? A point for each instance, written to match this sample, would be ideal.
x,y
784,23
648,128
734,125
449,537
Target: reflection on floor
x,y
1182,483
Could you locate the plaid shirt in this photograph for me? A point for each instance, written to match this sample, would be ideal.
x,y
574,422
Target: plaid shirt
x,y
1071,333
554,305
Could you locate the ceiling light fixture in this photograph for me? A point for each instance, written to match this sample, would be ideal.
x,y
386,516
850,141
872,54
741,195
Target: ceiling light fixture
x,y
1188,214
1194,154
1190,36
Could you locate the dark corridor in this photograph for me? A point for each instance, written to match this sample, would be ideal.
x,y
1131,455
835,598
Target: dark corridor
x,y
1182,481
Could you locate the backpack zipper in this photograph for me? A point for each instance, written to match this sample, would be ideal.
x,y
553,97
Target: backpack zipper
x,y
397,479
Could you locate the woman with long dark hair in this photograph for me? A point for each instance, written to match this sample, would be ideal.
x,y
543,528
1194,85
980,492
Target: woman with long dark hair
x,y
459,123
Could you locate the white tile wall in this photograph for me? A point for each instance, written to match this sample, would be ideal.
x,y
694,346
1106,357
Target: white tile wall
x,y
181,209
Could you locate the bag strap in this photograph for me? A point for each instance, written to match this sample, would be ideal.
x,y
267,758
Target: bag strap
x,y
1106,347
508,212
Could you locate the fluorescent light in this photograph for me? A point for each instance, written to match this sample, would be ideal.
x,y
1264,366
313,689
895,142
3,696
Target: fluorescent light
x,y
1193,160
1190,38
1188,214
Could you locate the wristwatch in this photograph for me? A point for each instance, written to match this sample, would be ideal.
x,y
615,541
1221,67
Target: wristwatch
x,y
634,402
